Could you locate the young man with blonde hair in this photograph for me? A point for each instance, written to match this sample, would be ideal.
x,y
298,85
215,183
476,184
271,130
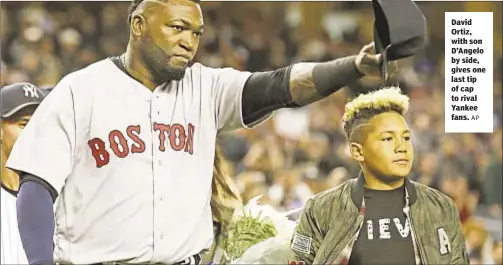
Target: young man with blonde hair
x,y
381,217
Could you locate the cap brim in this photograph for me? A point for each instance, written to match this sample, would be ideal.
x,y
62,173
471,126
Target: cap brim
x,y
18,108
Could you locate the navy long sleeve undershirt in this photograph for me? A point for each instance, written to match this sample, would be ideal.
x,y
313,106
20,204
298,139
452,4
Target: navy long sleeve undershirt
x,y
35,217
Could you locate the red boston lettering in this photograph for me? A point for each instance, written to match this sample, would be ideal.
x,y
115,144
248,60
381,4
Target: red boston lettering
x,y
177,137
189,146
98,151
121,151
163,129
133,132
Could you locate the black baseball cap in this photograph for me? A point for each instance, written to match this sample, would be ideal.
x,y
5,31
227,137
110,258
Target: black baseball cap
x,y
399,30
18,96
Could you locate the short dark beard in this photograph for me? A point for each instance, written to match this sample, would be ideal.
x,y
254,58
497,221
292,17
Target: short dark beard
x,y
158,62
173,73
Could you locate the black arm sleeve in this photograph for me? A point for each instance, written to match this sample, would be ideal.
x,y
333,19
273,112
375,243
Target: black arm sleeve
x,y
331,76
265,92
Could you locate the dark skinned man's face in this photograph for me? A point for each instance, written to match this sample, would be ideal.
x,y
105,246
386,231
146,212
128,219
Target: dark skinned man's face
x,y
387,149
170,33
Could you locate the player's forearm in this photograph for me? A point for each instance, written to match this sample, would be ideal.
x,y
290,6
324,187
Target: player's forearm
x,y
35,216
295,85
310,82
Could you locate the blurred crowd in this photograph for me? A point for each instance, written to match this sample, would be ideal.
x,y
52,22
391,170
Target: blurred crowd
x,y
299,152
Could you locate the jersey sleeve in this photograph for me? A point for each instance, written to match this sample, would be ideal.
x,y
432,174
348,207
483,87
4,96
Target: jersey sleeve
x,y
228,93
46,146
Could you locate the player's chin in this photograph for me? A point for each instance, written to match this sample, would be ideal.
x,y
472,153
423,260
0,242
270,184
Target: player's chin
x,y
399,171
175,73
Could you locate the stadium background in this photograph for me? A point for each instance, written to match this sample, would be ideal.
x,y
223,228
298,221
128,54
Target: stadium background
x,y
298,152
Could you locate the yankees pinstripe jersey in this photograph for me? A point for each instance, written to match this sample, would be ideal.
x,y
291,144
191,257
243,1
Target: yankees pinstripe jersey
x,y
11,248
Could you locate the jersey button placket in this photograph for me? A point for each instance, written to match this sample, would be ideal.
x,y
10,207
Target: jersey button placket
x,y
149,105
155,117
158,164
155,168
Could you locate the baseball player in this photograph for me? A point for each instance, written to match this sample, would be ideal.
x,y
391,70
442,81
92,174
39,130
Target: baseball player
x,y
18,102
128,142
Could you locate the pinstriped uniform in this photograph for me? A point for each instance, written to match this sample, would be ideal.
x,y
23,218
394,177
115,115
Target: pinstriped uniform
x,y
12,251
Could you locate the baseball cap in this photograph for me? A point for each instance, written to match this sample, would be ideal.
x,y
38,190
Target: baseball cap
x,y
17,96
46,89
399,30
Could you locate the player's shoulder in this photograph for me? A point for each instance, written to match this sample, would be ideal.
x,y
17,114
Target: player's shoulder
x,y
99,66
197,66
199,69
205,70
93,72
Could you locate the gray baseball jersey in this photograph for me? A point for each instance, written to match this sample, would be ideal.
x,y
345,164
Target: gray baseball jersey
x,y
133,167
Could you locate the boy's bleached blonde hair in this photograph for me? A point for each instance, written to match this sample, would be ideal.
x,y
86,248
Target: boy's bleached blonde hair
x,y
365,106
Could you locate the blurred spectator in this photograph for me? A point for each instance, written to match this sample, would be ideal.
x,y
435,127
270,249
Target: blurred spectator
x,y
476,237
493,180
337,176
497,252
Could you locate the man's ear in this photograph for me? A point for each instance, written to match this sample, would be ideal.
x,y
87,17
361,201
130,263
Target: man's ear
x,y
138,24
356,151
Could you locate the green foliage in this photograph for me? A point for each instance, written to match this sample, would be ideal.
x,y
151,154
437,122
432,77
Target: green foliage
x,y
245,232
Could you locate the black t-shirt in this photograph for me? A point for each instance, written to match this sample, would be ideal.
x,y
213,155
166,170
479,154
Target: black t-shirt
x,y
385,237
